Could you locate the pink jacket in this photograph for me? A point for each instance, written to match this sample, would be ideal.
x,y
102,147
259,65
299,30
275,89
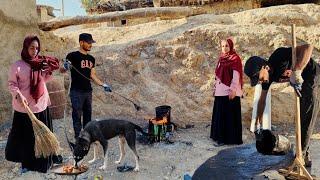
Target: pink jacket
x,y
223,90
19,83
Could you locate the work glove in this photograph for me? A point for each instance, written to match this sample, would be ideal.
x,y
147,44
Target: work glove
x,y
66,64
106,87
296,81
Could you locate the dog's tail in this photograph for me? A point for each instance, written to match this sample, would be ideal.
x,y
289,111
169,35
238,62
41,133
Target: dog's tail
x,y
141,130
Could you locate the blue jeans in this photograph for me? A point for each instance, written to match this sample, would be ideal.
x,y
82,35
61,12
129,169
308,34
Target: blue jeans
x,y
81,104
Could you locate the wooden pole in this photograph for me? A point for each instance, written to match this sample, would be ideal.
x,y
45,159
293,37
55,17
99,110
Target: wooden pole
x,y
299,161
62,7
297,119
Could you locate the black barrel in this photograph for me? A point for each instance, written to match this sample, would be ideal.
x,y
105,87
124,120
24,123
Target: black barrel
x,y
162,111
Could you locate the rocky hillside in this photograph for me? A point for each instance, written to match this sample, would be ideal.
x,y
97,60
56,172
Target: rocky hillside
x,y
166,62
172,62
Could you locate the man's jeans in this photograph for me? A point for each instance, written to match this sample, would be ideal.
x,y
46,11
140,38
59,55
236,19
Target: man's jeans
x,y
81,103
309,107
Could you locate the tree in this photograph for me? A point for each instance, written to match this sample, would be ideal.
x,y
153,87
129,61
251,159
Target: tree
x,y
90,4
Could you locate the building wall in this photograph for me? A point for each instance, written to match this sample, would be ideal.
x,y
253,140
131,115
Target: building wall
x,y
43,13
17,19
19,11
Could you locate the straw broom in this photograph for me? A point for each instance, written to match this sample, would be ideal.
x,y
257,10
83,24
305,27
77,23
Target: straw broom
x,y
46,143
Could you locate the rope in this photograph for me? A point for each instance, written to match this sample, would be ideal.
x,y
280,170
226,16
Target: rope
x,y
65,105
137,107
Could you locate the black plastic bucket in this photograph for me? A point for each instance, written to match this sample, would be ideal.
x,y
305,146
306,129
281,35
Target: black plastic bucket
x,y
269,143
162,111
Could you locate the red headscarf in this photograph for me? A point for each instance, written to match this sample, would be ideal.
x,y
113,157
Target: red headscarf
x,y
227,63
38,64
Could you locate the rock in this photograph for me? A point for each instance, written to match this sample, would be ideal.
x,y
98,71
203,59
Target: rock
x,y
162,52
50,176
143,55
132,51
181,52
137,67
194,60
16,169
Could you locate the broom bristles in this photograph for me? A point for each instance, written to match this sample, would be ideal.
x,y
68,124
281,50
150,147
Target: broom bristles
x,y
46,143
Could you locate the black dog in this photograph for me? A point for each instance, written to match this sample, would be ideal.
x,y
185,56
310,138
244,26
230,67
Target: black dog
x,y
102,131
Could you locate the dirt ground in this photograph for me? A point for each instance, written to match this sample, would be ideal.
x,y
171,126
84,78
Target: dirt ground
x,y
190,149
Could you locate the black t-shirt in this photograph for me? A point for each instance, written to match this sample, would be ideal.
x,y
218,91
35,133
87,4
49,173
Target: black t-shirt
x,y
82,63
281,60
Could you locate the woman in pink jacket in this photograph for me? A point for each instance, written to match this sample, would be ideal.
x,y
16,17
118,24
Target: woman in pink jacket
x,y
27,78
226,125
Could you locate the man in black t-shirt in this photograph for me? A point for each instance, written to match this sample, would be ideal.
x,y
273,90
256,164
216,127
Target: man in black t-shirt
x,y
304,77
82,66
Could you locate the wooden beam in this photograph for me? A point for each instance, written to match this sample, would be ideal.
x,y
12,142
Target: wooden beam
x,y
162,12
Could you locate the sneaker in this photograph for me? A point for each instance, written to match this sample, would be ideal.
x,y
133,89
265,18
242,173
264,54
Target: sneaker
x,y
125,168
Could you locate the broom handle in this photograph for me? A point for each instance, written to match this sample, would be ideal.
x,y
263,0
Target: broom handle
x,y
30,113
294,46
298,123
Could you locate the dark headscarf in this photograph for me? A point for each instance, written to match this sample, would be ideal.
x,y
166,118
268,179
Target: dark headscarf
x,y
227,63
38,64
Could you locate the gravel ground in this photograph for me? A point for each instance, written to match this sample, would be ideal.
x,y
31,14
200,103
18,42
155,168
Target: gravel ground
x,y
190,149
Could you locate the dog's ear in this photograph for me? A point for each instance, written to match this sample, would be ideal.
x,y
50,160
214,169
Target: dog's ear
x,y
85,135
